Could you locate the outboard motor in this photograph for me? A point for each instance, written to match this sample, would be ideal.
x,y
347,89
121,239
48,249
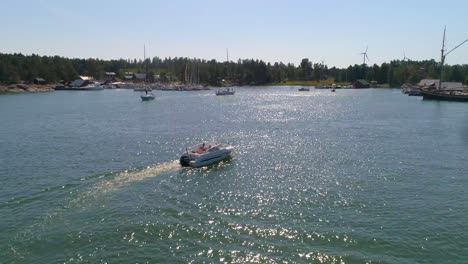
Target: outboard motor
x,y
185,160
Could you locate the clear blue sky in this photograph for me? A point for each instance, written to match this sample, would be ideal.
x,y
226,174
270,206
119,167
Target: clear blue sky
x,y
334,31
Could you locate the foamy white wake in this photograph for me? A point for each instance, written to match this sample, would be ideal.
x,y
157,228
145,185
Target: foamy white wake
x,y
127,177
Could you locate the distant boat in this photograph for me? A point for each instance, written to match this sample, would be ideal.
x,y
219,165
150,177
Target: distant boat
x,y
227,91
414,92
304,89
322,86
147,96
93,87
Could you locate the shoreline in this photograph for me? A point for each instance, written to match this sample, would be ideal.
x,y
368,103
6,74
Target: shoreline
x,y
26,88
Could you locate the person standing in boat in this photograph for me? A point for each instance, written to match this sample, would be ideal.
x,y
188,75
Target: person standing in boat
x,y
203,148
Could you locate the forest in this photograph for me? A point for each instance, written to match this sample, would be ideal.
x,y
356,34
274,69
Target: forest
x,y
15,68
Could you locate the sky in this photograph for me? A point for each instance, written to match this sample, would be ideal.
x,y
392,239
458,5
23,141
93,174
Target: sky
x,y
333,31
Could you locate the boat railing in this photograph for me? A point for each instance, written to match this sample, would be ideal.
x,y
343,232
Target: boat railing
x,y
208,145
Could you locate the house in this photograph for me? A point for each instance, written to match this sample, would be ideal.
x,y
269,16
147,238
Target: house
x,y
359,84
39,81
128,76
434,83
110,76
428,82
79,83
140,77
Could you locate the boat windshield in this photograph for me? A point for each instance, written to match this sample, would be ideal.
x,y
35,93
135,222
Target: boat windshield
x,y
207,146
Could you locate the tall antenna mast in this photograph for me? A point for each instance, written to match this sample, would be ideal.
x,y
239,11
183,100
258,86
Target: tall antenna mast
x,y
227,54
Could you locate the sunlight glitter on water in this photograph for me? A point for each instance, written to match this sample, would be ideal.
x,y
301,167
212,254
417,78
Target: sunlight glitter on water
x,y
315,178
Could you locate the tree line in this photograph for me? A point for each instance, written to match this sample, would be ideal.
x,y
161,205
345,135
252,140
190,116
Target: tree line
x,y
15,68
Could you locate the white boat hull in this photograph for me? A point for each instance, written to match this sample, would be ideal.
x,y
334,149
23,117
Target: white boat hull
x,y
227,91
195,160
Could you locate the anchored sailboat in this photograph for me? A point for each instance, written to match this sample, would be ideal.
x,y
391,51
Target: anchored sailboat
x,y
148,95
440,94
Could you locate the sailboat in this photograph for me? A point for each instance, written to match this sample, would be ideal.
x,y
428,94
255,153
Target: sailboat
x,y
228,90
148,96
439,94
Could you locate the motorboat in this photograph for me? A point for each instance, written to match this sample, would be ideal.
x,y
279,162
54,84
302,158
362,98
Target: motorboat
x,y
414,92
227,91
93,87
205,154
304,89
147,96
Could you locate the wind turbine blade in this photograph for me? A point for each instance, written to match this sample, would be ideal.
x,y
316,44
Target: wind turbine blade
x,y
366,49
367,57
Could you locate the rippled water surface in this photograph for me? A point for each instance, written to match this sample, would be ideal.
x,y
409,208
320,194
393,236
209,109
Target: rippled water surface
x,y
317,177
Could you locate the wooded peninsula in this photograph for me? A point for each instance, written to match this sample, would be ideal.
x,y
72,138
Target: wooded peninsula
x,y
17,68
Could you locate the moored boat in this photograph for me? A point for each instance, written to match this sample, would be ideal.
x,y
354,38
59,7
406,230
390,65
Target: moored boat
x,y
414,92
93,87
227,91
445,95
205,154
304,89
147,96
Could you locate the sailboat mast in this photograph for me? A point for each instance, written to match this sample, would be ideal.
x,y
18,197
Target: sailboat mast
x,y
145,62
442,60
227,62
198,73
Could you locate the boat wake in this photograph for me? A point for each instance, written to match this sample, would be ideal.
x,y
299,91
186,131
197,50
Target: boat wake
x,y
82,202
127,177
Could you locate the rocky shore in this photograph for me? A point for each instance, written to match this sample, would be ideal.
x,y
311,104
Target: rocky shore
x,y
26,88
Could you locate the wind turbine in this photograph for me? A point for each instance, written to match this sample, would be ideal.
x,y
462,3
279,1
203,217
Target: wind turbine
x,y
364,55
